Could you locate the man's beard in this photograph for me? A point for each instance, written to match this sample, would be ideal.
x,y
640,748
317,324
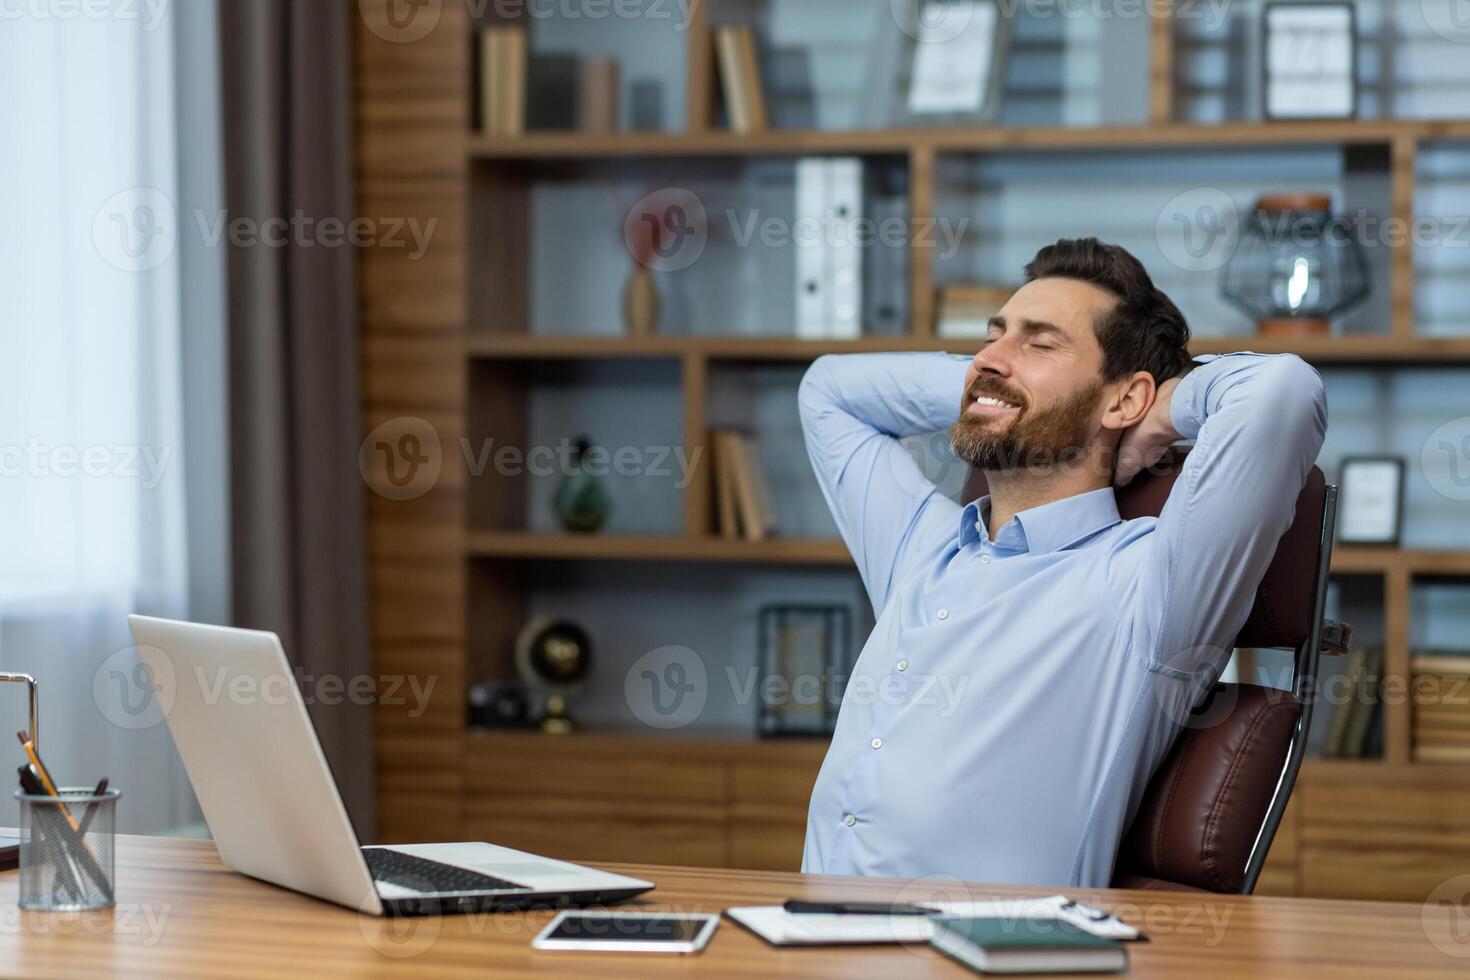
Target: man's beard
x,y
1039,440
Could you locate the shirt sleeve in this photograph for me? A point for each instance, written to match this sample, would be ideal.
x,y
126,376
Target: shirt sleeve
x,y
854,410
1258,422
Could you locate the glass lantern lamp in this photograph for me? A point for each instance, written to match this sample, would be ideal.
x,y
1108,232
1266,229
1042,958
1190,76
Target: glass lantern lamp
x,y
1295,267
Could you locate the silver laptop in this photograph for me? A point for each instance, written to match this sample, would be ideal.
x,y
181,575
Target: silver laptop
x,y
241,727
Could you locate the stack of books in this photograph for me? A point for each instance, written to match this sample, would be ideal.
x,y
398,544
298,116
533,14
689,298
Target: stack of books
x,y
740,79
742,493
1352,716
1441,700
503,81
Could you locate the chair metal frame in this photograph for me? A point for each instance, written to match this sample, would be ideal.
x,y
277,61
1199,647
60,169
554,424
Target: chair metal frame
x,y
1304,687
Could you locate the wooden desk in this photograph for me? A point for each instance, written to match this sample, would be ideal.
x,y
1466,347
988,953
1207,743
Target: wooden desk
x,y
182,913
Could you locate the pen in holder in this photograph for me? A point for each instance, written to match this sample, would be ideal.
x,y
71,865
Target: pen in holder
x,y
67,848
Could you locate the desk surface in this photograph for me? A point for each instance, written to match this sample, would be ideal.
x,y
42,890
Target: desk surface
x,y
182,913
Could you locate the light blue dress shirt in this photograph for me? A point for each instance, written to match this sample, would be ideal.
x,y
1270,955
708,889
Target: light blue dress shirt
x,y
1015,696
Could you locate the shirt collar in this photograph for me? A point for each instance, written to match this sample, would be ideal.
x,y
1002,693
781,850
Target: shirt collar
x,y
1050,527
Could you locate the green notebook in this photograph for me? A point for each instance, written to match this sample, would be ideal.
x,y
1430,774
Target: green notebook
x,y
1012,945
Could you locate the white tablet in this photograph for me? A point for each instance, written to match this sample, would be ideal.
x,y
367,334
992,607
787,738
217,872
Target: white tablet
x,y
627,932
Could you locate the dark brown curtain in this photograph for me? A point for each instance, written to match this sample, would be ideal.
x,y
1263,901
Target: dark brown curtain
x,y
297,504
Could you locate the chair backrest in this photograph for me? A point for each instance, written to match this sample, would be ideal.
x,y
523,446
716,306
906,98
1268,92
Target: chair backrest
x,y
1212,807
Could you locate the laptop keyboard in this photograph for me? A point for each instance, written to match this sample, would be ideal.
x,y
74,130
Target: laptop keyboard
x,y
421,874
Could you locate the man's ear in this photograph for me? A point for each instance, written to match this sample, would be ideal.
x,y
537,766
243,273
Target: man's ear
x,y
1130,401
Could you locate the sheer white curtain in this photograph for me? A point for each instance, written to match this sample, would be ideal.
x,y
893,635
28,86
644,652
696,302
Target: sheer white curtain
x,y
93,512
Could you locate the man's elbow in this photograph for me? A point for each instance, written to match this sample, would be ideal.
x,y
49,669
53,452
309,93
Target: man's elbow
x,y
1298,398
815,394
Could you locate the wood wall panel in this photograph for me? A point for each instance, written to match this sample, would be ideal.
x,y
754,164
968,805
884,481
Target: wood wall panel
x,y
731,802
392,536
413,281
410,112
417,601
768,810
413,373
592,801
1396,839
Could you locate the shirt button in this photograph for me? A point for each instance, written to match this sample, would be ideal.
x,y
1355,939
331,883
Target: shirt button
x,y
985,559
979,527
877,743
903,665
848,820
943,614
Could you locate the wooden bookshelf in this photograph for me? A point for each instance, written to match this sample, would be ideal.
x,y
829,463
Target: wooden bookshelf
x,y
447,338
1341,349
609,547
988,139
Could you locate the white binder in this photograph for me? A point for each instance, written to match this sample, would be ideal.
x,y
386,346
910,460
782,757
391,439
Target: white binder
x,y
829,259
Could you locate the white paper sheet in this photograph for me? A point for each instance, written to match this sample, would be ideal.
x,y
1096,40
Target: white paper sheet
x,y
777,926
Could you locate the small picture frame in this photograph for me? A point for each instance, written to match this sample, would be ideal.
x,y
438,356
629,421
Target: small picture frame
x,y
1309,60
1371,506
805,660
956,61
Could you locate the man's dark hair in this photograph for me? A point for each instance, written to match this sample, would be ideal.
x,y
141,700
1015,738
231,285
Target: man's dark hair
x,y
1145,331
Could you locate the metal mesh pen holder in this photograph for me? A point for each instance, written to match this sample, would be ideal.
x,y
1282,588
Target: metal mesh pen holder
x,y
66,849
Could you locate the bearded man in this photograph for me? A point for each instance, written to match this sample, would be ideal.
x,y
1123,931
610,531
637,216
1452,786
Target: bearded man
x,y
1034,652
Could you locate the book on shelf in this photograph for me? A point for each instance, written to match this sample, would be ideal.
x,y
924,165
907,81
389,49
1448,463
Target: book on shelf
x,y
1440,691
1351,721
503,80
1364,706
1454,716
1338,724
599,96
740,79
556,79
729,521
1440,662
742,493
1442,753
965,308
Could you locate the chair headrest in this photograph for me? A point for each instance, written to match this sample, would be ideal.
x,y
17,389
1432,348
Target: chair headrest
x,y
1282,613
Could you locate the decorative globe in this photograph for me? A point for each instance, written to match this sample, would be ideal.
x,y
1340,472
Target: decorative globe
x,y
552,656
560,655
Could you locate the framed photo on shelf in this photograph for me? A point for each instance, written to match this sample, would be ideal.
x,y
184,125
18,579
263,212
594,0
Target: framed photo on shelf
x,y
1371,509
1310,60
955,55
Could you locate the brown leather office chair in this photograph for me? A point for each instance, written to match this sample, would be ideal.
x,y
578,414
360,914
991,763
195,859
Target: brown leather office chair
x,y
1211,810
